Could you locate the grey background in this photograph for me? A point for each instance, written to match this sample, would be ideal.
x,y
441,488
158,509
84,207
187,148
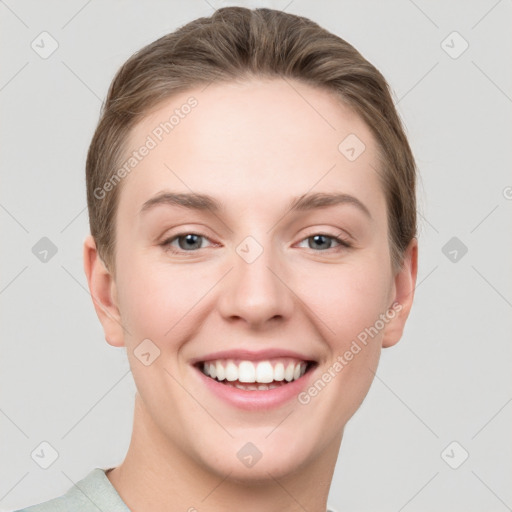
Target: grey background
x,y
447,380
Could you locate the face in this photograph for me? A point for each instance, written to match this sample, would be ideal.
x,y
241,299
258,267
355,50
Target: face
x,y
282,275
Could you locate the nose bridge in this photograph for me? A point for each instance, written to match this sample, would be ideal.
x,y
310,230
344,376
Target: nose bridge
x,y
253,291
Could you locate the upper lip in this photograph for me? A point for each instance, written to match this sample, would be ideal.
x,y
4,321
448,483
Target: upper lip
x,y
252,355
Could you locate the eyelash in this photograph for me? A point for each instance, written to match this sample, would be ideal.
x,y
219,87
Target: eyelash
x,y
167,247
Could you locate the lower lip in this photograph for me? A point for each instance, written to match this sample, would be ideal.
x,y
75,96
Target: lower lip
x,y
253,399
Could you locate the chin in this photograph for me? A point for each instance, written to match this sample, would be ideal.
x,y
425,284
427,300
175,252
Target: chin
x,y
259,460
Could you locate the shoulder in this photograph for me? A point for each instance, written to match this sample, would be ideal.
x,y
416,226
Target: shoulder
x,y
92,493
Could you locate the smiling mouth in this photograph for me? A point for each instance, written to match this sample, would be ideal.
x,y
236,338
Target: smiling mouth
x,y
255,375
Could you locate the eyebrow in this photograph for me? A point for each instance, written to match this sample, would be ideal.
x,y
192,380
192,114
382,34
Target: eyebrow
x,y
203,202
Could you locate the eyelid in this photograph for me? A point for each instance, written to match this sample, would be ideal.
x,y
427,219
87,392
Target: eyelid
x,y
182,230
331,232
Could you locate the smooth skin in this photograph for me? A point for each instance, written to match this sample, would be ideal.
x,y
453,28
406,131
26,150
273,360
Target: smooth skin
x,y
254,146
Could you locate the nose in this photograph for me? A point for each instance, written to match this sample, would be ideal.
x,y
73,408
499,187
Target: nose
x,y
256,292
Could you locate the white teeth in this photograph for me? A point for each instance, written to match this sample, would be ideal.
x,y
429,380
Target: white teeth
x,y
219,370
231,371
247,387
279,372
263,372
246,372
288,373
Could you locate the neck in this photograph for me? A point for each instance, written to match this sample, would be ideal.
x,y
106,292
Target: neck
x,y
157,474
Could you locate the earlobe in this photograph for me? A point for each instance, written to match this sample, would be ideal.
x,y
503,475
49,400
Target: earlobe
x,y
404,284
102,288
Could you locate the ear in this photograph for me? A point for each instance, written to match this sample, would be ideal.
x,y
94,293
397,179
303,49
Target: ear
x,y
104,294
403,295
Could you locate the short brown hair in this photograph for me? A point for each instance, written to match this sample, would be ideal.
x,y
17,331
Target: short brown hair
x,y
237,43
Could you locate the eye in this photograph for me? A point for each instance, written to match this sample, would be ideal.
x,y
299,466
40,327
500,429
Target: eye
x,y
187,242
190,242
323,242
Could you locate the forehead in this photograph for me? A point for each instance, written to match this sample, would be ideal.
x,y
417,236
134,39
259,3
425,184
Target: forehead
x,y
252,144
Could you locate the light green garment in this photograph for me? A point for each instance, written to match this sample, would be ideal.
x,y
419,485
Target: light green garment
x,y
94,493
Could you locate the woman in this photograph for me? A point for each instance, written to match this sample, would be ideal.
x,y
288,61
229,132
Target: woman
x,y
251,197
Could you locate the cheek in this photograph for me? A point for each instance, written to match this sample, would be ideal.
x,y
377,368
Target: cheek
x,y
155,299
353,306
347,300
349,307
160,301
